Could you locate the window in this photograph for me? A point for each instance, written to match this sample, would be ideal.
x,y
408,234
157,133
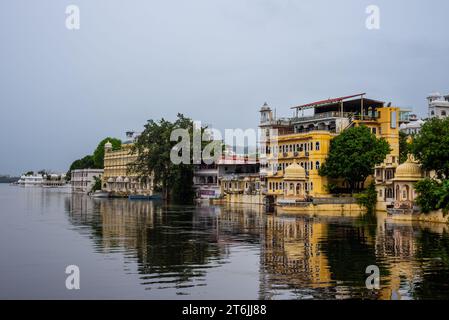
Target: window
x,y
443,113
317,165
374,131
317,146
389,193
393,120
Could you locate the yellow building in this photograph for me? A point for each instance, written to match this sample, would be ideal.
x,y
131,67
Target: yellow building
x,y
305,150
117,179
305,140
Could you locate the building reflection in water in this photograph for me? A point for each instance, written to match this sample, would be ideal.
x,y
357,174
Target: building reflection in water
x,y
299,257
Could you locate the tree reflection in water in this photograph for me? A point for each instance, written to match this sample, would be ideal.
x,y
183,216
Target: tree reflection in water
x,y
300,257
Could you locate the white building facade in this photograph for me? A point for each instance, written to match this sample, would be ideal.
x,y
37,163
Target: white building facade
x,y
83,179
438,105
205,181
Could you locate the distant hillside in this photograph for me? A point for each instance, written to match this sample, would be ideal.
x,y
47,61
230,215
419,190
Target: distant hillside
x,y
8,179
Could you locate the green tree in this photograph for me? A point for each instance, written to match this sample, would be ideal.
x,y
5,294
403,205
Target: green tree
x,y
97,184
404,148
431,147
432,195
353,155
153,148
368,198
86,162
98,155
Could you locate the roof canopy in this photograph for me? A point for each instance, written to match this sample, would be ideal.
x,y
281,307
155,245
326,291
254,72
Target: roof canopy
x,y
337,101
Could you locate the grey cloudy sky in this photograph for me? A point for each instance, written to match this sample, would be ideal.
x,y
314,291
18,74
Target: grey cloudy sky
x,y
217,61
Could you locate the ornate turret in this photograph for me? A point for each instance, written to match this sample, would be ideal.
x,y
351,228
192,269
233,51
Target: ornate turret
x,y
408,171
295,172
108,146
266,115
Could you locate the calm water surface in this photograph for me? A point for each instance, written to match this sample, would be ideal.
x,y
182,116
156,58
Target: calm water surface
x,y
140,249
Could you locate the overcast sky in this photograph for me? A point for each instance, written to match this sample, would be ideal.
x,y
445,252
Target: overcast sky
x,y
217,61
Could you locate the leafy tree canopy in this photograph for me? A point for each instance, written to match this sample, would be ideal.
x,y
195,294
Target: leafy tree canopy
x,y
86,162
353,155
98,155
431,146
432,195
153,148
368,198
404,147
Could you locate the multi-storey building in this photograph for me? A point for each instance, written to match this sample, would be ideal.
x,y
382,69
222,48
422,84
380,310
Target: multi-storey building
x,y
304,141
117,179
240,179
438,105
82,180
205,181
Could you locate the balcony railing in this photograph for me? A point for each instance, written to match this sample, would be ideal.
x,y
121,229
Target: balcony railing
x,y
335,114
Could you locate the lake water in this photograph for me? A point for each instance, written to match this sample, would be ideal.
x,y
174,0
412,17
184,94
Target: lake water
x,y
146,250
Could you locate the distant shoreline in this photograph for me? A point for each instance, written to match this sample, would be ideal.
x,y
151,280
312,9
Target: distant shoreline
x,y
9,179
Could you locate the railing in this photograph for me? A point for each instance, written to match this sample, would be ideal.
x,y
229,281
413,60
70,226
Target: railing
x,y
335,114
324,115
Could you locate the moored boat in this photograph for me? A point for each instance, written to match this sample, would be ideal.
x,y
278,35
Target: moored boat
x,y
143,197
100,194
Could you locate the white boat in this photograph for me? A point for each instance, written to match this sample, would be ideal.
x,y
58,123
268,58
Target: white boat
x,y
100,194
31,180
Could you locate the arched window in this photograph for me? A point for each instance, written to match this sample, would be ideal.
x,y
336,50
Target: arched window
x,y
389,193
317,146
317,165
311,185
